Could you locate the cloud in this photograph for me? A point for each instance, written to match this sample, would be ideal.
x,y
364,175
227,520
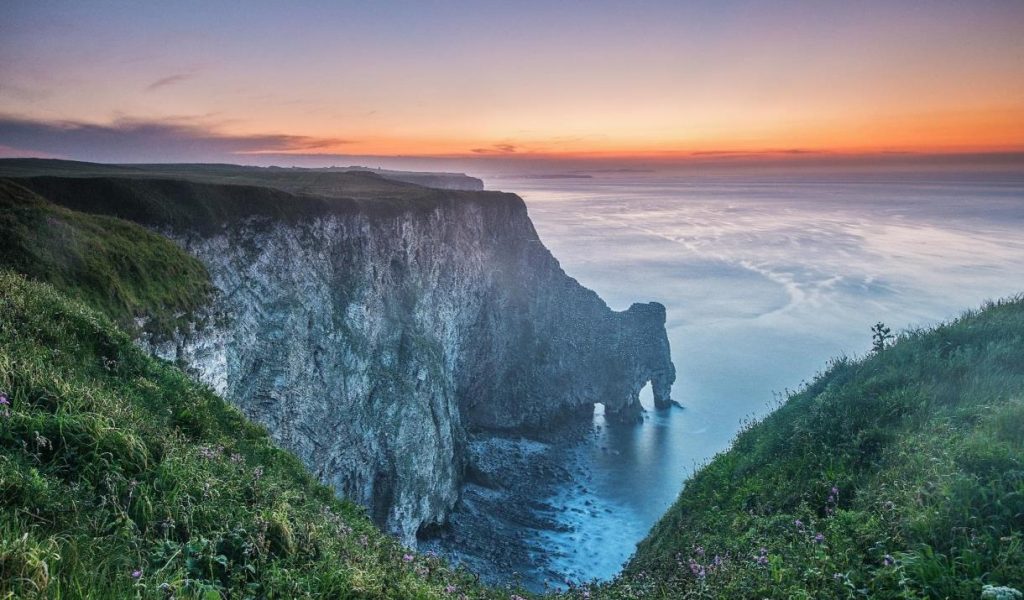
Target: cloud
x,y
749,153
169,80
496,149
134,140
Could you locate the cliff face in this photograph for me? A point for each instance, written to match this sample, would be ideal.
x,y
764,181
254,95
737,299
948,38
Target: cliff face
x,y
369,341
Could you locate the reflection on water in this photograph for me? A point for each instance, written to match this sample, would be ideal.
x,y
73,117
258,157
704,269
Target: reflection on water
x,y
763,282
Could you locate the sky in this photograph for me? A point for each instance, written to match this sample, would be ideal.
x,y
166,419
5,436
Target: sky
x,y
259,82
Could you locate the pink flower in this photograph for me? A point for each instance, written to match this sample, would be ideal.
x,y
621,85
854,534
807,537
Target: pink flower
x,y
408,557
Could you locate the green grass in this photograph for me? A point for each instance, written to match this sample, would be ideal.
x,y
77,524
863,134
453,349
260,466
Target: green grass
x,y
113,265
924,442
113,462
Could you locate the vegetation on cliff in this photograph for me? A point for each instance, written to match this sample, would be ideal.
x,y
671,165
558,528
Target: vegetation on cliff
x,y
115,266
900,475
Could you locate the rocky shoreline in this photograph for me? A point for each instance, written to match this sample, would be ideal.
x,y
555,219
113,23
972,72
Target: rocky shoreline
x,y
508,498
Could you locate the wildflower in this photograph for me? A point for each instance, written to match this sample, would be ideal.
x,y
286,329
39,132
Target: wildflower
x,y
407,557
762,558
819,538
450,589
799,524
835,491
4,401
137,573
888,560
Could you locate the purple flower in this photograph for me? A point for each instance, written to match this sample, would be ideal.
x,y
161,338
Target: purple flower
x,y
3,400
450,589
819,538
835,491
799,524
407,557
137,573
888,560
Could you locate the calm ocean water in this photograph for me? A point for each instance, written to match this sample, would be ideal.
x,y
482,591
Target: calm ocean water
x,y
764,282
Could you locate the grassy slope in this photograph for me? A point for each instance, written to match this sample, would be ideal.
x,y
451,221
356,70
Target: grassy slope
x,y
115,266
112,462
924,442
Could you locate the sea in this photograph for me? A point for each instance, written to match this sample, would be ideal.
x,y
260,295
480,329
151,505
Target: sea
x,y
765,279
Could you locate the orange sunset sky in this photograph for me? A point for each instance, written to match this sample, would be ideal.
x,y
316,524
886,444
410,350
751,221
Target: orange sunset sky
x,y
229,81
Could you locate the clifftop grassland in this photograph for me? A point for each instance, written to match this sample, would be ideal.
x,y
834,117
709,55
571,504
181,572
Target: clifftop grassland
x,y
117,267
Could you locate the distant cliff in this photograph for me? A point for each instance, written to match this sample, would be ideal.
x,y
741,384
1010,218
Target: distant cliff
x,y
370,332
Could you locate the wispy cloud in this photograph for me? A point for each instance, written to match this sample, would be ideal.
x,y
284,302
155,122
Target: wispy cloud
x,y
134,140
496,149
766,152
169,81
